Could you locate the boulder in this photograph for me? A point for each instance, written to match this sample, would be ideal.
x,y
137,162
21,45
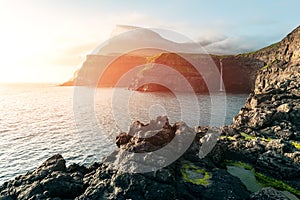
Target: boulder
x,y
50,180
146,137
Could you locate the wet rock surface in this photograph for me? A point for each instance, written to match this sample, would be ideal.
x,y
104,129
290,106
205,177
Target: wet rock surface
x,y
268,194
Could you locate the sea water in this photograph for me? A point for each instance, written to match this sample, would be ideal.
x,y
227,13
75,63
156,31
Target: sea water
x,y
39,120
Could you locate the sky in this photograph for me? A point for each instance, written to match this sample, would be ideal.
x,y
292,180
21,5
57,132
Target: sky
x,y
47,40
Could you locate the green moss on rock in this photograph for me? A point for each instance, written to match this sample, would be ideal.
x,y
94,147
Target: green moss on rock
x,y
266,66
246,136
296,145
249,137
264,179
239,164
195,175
227,137
278,184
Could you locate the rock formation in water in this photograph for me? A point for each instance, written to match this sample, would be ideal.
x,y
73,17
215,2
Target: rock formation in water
x,y
238,72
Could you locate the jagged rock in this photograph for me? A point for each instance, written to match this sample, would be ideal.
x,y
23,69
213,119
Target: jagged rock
x,y
268,194
50,180
284,108
146,138
279,146
278,165
295,156
54,163
225,186
189,177
264,130
287,50
260,110
123,139
166,183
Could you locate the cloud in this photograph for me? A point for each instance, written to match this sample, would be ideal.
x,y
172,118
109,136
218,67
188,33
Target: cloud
x,y
73,56
208,41
216,42
81,49
67,61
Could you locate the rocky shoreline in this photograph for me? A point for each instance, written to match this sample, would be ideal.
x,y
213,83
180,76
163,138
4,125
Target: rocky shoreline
x,y
263,142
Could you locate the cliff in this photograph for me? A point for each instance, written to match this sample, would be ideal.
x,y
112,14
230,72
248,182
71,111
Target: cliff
x,y
113,69
287,50
238,71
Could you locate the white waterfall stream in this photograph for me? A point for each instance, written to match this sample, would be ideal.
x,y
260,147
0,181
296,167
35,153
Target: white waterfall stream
x,y
221,76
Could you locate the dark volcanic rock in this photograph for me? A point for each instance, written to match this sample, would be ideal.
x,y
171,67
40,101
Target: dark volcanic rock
x,y
266,130
146,138
189,177
225,186
278,165
50,180
268,194
55,163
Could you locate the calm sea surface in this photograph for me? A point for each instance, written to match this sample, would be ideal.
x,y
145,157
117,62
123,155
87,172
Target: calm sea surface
x,y
39,120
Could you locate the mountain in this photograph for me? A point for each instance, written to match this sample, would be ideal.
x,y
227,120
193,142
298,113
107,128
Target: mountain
x,y
202,71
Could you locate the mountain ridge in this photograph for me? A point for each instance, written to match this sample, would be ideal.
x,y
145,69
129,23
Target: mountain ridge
x,y
239,70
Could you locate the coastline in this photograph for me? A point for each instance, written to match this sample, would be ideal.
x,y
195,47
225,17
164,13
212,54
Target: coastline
x,y
263,139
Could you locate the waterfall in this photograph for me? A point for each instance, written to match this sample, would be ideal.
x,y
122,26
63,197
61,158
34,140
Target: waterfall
x,y
221,76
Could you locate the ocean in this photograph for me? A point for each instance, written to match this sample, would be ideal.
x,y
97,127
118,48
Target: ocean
x,y
39,120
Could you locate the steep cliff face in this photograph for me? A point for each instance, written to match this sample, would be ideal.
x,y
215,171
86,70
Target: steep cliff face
x,y
203,72
169,71
275,100
267,129
287,50
104,71
238,73
276,96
